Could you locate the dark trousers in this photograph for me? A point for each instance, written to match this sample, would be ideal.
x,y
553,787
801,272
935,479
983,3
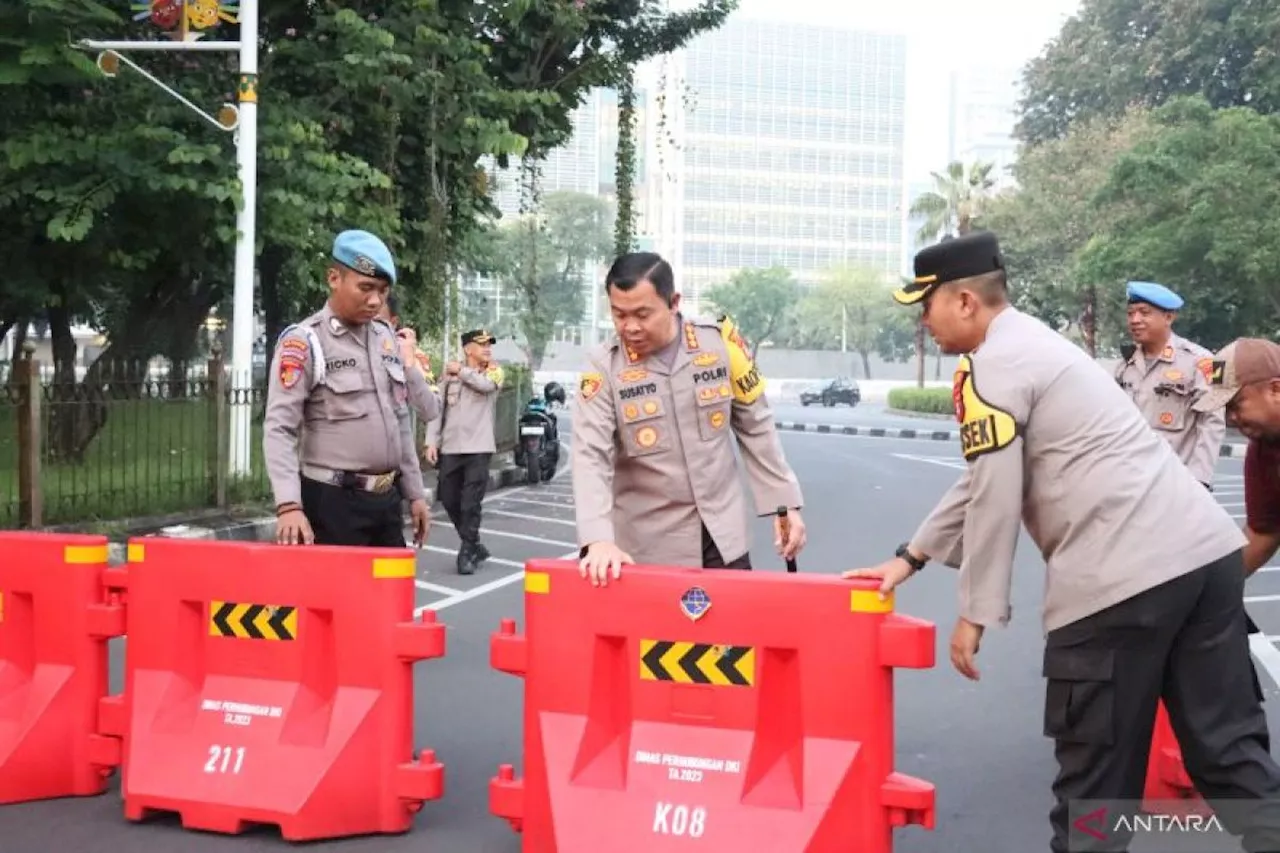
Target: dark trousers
x,y
713,559
1185,641
341,516
462,481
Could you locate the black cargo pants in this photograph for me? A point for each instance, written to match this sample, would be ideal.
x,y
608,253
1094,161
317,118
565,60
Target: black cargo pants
x,y
1185,641
462,480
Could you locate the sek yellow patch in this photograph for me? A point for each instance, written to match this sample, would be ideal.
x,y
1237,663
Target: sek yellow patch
x,y
984,428
744,376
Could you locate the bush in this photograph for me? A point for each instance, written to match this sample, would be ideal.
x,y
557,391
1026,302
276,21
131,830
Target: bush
x,y
936,401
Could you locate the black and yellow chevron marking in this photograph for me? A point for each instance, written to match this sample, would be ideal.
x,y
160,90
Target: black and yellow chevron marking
x,y
697,663
252,621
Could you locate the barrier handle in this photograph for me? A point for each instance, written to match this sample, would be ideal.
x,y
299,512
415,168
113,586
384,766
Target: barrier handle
x,y
786,529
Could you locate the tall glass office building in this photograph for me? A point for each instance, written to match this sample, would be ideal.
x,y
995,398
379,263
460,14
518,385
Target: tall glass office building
x,y
791,152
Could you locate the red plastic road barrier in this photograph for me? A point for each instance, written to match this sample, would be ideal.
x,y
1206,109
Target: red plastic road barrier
x,y
274,684
742,711
1167,778
55,620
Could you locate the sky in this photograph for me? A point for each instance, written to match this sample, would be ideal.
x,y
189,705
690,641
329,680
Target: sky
x,y
941,36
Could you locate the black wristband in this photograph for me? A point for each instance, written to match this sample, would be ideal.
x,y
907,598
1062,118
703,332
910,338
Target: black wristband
x,y
904,553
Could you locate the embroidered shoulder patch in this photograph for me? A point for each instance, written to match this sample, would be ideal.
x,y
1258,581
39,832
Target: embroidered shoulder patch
x,y
589,385
1205,366
984,428
495,374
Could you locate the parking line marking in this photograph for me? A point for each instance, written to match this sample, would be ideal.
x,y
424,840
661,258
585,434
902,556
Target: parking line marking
x,y
435,587
559,543
934,460
497,583
1259,599
527,517
436,549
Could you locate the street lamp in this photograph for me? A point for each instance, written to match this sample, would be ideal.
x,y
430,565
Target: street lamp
x,y
242,120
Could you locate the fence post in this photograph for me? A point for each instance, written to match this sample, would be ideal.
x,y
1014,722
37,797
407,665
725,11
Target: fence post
x,y
219,426
30,394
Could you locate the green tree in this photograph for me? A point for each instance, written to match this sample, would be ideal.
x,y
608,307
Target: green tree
x,y
1195,207
851,309
1116,54
549,258
1050,218
761,302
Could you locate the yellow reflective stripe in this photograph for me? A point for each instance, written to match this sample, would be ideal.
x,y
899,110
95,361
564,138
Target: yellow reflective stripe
x,y
84,554
395,567
868,601
137,552
537,582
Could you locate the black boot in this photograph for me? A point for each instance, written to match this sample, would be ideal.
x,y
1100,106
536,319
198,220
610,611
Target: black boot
x,y
466,559
481,552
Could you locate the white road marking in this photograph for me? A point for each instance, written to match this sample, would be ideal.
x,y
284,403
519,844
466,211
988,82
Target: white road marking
x,y
945,462
435,587
453,552
1227,505
552,504
483,589
1263,648
542,518
559,543
1259,599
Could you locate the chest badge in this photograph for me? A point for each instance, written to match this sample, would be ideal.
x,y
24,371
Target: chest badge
x,y
695,603
646,437
706,359
717,420
1166,418
1173,375
633,374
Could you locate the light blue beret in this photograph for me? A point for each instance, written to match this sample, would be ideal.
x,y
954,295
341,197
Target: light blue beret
x,y
364,253
1155,294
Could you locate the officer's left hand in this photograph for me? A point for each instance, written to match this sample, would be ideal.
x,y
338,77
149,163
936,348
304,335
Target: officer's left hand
x,y
796,537
965,639
421,521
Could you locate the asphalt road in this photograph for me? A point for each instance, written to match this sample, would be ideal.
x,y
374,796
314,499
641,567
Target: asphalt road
x,y
979,743
863,414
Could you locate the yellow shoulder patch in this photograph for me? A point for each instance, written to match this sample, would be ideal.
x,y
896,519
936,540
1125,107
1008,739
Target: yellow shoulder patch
x,y
590,385
984,428
744,376
495,374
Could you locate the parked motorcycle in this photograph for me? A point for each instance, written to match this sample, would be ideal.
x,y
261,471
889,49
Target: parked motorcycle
x,y
538,450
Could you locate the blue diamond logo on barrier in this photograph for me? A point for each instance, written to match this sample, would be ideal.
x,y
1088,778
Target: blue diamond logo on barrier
x,y
695,603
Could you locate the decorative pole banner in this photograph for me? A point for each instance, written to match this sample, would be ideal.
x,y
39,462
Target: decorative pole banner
x,y
186,15
248,88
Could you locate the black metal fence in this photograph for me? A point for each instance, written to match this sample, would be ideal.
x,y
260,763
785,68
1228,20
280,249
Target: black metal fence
x,y
123,442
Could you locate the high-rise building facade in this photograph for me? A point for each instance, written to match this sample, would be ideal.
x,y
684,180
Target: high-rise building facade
x,y
791,153
984,100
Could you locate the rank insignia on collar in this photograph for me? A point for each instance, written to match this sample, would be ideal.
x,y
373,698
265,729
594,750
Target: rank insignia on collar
x,y
1167,353
690,337
632,356
695,603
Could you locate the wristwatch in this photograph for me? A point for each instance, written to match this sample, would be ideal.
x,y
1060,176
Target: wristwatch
x,y
904,553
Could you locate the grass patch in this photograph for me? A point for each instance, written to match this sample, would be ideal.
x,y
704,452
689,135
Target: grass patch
x,y
933,401
151,457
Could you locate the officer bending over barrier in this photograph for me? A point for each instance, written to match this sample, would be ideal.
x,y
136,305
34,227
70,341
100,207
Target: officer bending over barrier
x,y
1136,608
1244,379
654,473
337,438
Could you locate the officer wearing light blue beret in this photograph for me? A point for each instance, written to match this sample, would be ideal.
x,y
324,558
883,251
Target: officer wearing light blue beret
x,y
338,437
1164,374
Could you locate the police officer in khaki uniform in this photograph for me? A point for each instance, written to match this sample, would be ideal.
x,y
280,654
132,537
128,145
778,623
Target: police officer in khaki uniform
x,y
654,473
1165,374
337,439
461,440
1143,599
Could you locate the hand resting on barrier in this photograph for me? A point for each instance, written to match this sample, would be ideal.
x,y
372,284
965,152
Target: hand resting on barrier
x,y
601,559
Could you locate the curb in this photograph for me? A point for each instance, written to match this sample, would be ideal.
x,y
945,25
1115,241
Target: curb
x,y
261,529
1229,450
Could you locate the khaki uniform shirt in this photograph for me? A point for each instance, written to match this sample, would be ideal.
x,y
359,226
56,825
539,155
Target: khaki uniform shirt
x,y
1164,387
424,396
652,452
466,422
349,412
1052,441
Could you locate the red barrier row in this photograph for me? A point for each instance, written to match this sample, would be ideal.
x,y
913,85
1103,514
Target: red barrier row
x,y
55,620
745,711
262,684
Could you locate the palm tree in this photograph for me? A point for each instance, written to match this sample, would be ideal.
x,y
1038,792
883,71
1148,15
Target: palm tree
x,y
956,203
